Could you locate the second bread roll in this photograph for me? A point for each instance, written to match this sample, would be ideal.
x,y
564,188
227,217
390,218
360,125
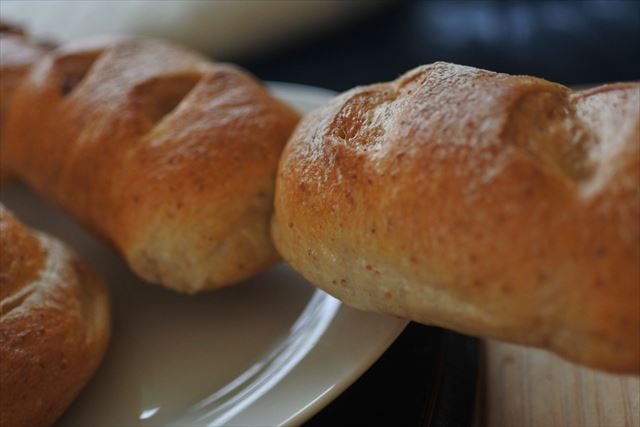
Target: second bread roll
x,y
496,205
166,155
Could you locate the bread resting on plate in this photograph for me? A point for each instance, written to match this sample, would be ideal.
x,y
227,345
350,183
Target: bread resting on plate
x,y
166,155
500,206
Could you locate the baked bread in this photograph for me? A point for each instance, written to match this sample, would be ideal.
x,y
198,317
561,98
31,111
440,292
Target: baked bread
x,y
500,206
169,157
54,325
17,55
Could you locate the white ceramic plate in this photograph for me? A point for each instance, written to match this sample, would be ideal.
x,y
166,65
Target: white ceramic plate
x,y
271,351
256,26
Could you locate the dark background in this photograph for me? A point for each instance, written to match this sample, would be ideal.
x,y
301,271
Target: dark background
x,y
570,42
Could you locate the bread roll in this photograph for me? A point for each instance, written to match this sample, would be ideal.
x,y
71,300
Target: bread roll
x,y
17,55
54,325
499,206
169,157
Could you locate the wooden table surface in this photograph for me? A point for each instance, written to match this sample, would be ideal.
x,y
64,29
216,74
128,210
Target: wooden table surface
x,y
529,387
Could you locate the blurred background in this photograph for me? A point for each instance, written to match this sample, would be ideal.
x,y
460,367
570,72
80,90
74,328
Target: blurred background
x,y
571,42
340,44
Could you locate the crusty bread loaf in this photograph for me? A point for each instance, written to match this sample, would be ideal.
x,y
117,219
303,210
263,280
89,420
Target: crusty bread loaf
x,y
54,325
500,206
17,55
169,157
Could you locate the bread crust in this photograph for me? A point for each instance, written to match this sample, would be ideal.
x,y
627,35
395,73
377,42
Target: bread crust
x,y
500,206
54,325
167,156
17,56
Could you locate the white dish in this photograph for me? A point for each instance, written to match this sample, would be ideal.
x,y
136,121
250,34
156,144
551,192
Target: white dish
x,y
223,29
271,351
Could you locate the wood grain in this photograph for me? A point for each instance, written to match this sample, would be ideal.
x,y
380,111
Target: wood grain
x,y
530,387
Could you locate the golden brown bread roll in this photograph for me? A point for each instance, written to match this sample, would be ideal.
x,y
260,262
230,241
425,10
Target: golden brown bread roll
x,y
17,55
169,157
500,206
54,325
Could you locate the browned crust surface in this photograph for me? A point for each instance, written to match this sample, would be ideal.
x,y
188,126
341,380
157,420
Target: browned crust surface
x,y
17,55
496,205
166,155
54,325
